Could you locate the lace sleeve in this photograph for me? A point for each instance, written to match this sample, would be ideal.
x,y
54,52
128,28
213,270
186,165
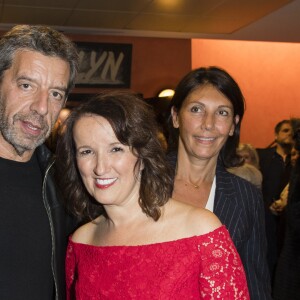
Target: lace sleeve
x,y
222,274
70,272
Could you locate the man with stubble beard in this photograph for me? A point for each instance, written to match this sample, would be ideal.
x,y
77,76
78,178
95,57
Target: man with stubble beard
x,y
38,66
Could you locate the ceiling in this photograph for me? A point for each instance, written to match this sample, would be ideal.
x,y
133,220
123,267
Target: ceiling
x,y
260,20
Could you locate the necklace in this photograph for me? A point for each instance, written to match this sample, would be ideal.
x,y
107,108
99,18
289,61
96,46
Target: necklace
x,y
196,186
187,183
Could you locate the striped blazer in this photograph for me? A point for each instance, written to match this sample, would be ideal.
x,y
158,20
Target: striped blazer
x,y
239,206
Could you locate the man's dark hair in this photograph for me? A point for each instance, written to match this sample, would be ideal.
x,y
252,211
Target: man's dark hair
x,y
42,39
279,125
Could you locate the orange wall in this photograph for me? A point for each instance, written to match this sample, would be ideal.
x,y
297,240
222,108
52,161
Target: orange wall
x,y
157,63
269,76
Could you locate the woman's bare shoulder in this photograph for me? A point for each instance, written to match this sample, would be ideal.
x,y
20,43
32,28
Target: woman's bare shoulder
x,y
197,221
85,233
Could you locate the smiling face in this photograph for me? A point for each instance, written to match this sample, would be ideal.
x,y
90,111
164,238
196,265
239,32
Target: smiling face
x,y
205,121
32,93
106,166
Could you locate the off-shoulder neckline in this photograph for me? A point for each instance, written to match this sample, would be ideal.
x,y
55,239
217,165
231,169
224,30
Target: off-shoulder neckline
x,y
184,239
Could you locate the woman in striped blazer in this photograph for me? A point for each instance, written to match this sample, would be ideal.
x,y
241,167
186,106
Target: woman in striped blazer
x,y
204,128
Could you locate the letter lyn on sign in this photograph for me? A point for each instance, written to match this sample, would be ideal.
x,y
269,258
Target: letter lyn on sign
x,y
104,65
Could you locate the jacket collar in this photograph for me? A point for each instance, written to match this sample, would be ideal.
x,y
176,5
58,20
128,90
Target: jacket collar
x,y
225,190
44,156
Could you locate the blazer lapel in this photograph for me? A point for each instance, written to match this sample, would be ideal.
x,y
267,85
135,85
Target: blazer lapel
x,y
226,201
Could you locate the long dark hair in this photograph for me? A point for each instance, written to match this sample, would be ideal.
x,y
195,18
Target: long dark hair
x,y
225,84
134,125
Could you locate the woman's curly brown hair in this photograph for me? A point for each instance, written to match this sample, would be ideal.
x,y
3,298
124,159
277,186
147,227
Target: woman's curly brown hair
x,y
134,125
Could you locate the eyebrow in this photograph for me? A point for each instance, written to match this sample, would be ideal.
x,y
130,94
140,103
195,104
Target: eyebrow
x,y
24,77
199,102
227,106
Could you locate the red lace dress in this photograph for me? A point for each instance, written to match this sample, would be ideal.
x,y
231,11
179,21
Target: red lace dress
x,y
199,267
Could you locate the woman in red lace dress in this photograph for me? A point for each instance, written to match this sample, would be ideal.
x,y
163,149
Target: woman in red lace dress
x,y
136,242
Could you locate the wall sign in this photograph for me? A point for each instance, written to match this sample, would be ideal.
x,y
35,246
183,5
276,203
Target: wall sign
x,y
104,65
